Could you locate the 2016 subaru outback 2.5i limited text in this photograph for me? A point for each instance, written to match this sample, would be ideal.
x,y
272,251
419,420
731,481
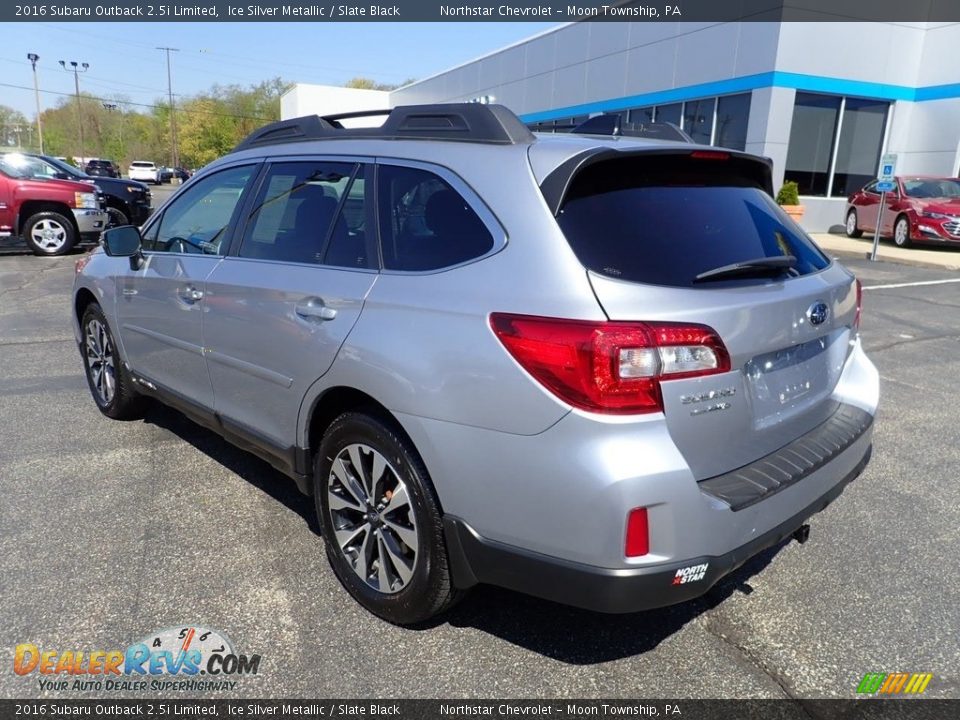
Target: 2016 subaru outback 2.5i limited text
x,y
600,370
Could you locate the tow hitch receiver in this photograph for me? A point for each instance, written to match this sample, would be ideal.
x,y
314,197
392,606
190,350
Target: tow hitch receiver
x,y
802,533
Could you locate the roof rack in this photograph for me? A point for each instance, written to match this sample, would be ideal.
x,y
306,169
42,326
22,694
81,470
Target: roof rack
x,y
614,124
462,122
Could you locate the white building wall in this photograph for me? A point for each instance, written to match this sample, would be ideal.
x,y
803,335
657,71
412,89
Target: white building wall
x,y
583,63
303,100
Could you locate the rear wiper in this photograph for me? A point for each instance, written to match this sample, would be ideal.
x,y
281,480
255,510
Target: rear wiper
x,y
761,266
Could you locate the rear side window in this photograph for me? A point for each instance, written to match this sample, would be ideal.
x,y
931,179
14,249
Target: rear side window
x,y
424,223
664,220
294,211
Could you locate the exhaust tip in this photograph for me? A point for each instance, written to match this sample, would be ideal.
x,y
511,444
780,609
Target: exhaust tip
x,y
802,534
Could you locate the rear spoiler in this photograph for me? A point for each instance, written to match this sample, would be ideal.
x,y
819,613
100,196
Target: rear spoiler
x,y
752,167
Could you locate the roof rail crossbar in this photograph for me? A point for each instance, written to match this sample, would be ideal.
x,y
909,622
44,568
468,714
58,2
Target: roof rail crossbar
x,y
614,124
464,122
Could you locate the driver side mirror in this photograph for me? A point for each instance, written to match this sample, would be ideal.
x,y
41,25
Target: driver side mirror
x,y
61,176
124,241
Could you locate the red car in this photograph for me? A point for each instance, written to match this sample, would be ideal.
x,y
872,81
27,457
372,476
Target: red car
x,y
918,209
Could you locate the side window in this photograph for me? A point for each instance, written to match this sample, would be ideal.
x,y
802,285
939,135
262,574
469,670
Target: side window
x,y
197,220
871,188
294,210
424,223
350,245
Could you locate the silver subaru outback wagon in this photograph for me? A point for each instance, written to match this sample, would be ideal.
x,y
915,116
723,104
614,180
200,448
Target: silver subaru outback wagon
x,y
603,370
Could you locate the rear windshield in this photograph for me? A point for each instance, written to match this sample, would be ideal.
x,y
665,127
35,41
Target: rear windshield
x,y
142,164
664,220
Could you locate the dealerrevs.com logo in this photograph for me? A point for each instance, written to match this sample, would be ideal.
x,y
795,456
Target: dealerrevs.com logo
x,y
189,658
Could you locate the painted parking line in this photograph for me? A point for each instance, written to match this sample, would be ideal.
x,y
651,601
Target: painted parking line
x,y
911,284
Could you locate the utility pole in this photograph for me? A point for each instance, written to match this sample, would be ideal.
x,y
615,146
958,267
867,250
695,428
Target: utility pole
x,y
75,68
110,107
33,57
173,122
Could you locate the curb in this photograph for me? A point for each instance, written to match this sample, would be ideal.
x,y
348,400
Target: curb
x,y
951,264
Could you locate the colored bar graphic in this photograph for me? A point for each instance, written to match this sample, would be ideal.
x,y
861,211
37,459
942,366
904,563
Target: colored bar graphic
x,y
894,683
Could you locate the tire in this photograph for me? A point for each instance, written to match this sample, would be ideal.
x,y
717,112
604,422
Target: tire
x,y
49,233
392,561
901,232
110,384
851,225
117,217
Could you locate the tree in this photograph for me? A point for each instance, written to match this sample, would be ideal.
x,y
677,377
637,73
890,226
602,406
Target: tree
x,y
362,83
15,129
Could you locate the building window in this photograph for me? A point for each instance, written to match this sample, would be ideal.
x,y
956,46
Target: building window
x,y
719,121
698,119
861,140
835,143
730,130
669,114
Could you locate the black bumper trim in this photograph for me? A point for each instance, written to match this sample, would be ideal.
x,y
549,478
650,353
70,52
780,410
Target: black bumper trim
x,y
475,559
790,464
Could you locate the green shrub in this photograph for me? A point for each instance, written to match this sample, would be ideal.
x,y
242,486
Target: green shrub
x,y
789,194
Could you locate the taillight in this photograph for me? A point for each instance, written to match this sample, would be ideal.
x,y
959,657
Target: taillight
x,y
859,312
610,367
637,541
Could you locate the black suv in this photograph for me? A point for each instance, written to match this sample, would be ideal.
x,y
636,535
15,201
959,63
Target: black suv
x,y
126,201
102,168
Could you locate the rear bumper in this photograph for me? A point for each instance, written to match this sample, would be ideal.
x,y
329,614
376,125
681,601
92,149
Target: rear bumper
x,y
476,560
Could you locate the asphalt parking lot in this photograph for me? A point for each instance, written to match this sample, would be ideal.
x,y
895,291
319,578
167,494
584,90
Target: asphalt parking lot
x,y
111,531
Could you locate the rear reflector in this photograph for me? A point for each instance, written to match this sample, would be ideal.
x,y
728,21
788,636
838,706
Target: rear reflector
x,y
638,533
610,367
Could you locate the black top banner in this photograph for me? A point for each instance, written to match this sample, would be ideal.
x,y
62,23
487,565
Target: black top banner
x,y
482,10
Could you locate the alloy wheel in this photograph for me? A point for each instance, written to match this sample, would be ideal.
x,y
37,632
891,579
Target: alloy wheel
x,y
900,233
49,235
851,223
372,517
100,360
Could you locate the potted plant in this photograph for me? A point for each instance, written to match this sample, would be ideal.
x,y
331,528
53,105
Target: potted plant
x,y
789,199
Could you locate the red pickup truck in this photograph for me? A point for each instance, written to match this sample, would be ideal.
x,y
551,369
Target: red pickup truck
x,y
51,216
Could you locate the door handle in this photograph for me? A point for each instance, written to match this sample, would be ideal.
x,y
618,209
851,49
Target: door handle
x,y
190,294
314,309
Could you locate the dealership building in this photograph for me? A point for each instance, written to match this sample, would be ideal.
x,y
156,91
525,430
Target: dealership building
x,y
824,100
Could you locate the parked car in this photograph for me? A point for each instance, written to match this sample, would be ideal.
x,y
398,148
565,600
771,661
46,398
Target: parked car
x,y
102,168
51,215
126,201
166,174
604,371
144,171
920,209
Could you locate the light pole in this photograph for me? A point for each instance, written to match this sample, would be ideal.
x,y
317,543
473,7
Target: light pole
x,y
110,107
173,122
33,57
75,69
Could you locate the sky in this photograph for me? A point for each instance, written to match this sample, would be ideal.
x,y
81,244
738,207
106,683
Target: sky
x,y
123,59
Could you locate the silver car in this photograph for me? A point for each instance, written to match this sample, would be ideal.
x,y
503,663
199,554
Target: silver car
x,y
604,370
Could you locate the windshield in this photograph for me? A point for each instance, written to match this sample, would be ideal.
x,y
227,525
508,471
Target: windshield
x,y
65,168
932,188
28,167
